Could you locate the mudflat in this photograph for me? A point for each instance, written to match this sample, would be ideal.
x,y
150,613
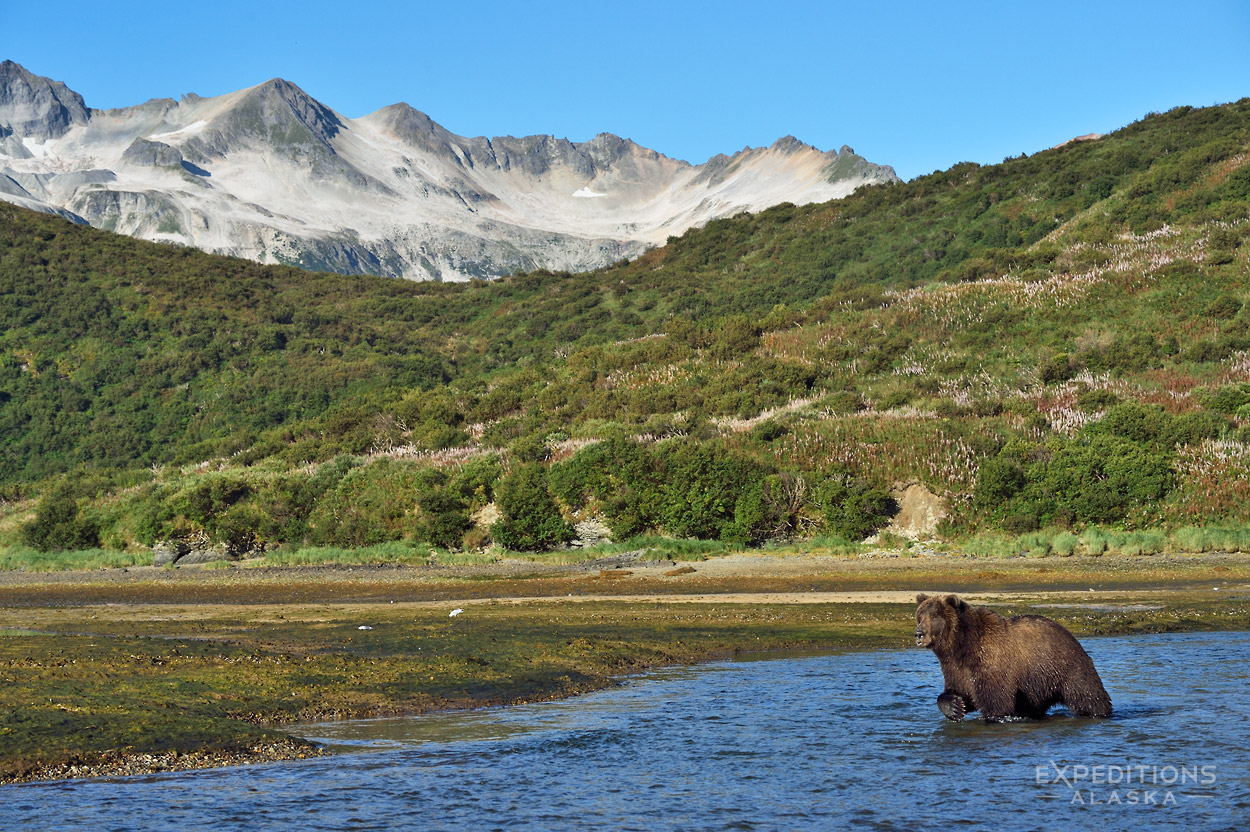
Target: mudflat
x,y
616,576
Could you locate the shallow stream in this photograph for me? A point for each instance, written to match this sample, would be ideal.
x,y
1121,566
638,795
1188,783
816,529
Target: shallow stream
x,y
800,742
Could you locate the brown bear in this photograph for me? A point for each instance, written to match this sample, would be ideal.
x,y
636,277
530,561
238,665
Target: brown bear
x,y
1007,668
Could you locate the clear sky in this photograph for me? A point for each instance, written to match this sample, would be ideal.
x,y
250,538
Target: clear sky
x,y
917,85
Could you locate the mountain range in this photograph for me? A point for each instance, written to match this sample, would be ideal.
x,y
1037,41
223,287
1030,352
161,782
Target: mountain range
x,y
1053,351
271,174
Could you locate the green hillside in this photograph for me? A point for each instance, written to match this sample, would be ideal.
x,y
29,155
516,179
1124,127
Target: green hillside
x,y
1059,343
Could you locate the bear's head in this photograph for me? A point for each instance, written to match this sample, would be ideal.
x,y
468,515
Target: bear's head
x,y
937,619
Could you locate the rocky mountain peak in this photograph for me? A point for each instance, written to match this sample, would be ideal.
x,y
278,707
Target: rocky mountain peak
x,y
847,164
607,148
279,104
276,115
415,128
37,107
788,145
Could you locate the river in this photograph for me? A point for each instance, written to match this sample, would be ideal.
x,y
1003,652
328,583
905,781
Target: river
x,y
796,742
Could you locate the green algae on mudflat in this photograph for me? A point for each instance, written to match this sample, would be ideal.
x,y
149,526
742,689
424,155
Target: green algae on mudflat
x,y
222,679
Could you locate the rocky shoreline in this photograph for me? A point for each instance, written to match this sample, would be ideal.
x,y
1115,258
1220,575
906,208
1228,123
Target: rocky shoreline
x,y
127,764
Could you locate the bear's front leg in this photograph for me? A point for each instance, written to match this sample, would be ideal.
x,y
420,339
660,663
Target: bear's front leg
x,y
997,703
952,706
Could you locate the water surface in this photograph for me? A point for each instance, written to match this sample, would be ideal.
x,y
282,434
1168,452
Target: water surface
x,y
813,742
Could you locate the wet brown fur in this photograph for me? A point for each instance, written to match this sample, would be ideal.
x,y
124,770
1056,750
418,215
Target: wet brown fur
x,y
1006,667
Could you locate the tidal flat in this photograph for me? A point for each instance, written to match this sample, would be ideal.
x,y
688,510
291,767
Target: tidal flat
x,y
130,671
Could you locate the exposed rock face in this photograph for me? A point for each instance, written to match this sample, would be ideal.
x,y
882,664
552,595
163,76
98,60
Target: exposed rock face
x,y
199,550
35,107
166,552
591,532
920,511
271,174
208,554
152,215
152,154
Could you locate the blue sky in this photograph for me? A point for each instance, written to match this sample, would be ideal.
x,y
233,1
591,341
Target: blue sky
x,y
918,85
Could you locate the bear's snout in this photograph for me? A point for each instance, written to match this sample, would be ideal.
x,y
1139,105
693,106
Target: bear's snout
x,y
920,639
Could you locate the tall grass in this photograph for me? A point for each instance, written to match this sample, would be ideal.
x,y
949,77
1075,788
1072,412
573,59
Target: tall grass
x,y
992,545
1213,482
391,552
1064,544
1198,539
32,560
887,448
1095,541
824,545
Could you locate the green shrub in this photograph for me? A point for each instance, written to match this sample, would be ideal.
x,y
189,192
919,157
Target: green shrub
x,y
736,337
530,448
1229,399
621,475
999,479
1224,307
1149,424
1096,477
530,519
1099,480
372,504
843,401
444,518
897,398
1092,401
701,486
1021,522
475,480
59,525
854,509
769,430
1056,369
243,528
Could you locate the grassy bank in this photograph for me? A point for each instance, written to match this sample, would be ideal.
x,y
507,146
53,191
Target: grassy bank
x,y
150,671
1093,541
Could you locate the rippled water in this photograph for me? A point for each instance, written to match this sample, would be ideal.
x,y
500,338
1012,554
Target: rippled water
x,y
816,742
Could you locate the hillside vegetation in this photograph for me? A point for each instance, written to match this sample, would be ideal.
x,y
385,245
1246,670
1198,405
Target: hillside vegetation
x,y
1058,346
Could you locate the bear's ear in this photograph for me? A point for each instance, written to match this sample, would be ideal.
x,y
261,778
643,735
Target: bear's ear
x,y
955,602
921,598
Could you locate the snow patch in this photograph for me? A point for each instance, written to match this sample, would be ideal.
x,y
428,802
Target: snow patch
x,y
194,127
586,193
37,149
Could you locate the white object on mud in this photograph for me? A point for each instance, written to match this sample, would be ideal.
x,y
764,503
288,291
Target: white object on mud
x,y
454,612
